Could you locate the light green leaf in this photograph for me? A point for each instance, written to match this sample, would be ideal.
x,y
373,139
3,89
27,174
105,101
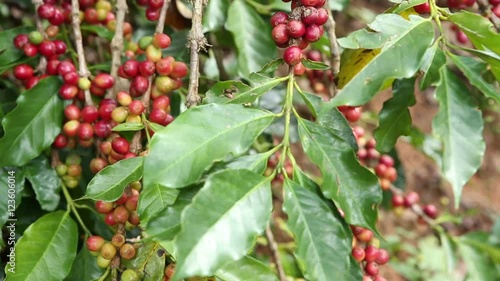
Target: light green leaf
x,y
479,266
395,118
153,199
404,5
252,37
272,66
353,187
226,229
460,125
38,113
433,60
45,182
315,65
256,163
84,267
129,126
245,269
215,15
200,137
409,47
478,29
109,183
474,70
46,250
323,240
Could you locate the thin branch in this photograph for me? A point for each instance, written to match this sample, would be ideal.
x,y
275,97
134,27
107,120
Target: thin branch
x,y
484,9
82,64
135,144
117,43
334,47
273,246
218,55
42,65
415,208
197,41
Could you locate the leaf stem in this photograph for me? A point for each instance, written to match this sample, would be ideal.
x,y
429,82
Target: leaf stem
x,y
288,109
105,275
435,14
72,206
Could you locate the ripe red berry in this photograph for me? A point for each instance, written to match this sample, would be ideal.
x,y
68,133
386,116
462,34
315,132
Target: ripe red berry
x,y
461,37
391,174
104,81
23,71
58,18
279,18
105,111
313,33
157,116
131,203
68,91
371,268
139,86
170,270
296,28
383,257
109,219
146,68
299,69
61,141
161,40
292,55
64,67
120,145
280,34
131,68
309,3
136,107
156,4
397,200
179,70
411,198
371,253
424,8
310,15
103,207
496,10
96,165
71,78
70,128
46,11
122,200
47,48
161,102
365,236
431,211
21,40
85,131
322,16
152,14
90,113
95,243
165,66
121,214
102,129
72,112
30,49
358,254
314,55
387,160
60,47
52,67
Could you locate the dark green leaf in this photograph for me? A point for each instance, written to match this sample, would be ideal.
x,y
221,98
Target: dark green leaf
x,y
12,179
323,240
409,48
178,47
46,250
245,269
129,126
153,199
474,70
242,211
460,125
353,187
109,183
478,29
433,60
33,125
252,37
100,30
395,118
330,117
45,182
84,267
200,137
215,15
315,65
272,66
8,53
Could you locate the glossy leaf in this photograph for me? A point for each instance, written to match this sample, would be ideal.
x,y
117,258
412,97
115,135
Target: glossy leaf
x,y
100,30
315,65
409,47
84,267
353,187
330,117
129,126
478,29
46,250
109,183
153,199
245,269
256,163
223,91
215,15
226,229
460,125
312,101
433,60
251,34
353,61
150,259
323,240
257,90
200,137
11,177
38,113
8,53
272,66
395,118
45,182
473,70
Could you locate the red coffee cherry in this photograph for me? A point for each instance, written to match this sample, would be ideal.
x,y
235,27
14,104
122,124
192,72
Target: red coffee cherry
x,y
23,71
358,254
322,16
165,66
280,34
20,40
46,11
96,165
95,243
60,142
146,68
309,3
158,116
313,33
299,69
161,40
90,113
180,70
121,214
397,200
310,15
58,18
424,8
71,78
279,18
103,207
371,253
296,28
131,68
60,47
161,102
371,268
30,49
47,48
64,67
152,14
411,198
68,92
383,257
136,107
109,219
431,211
120,145
72,112
85,131
104,81
292,55
139,85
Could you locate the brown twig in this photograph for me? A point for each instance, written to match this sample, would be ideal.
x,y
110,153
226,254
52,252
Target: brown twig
x,y
117,43
273,246
42,65
196,42
334,47
218,55
82,64
484,9
135,144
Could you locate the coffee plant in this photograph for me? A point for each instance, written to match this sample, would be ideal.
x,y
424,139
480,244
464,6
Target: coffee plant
x,y
227,140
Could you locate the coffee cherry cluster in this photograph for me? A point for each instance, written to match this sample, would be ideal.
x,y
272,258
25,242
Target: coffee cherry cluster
x,y
296,30
411,201
123,210
70,171
107,250
153,8
366,251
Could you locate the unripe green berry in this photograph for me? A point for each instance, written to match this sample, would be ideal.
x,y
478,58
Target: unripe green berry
x,y
145,41
70,182
73,159
84,83
61,169
102,262
130,275
35,37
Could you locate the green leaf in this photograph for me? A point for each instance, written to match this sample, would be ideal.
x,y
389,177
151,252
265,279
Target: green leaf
x,y
487,56
256,163
167,223
228,230
155,127
272,66
474,70
312,101
258,90
460,125
215,15
45,182
315,65
478,29
129,126
245,269
395,118
12,179
323,240
46,250
251,35
409,47
153,199
33,125
353,187
433,60
404,5
84,267
222,91
200,137
150,258
480,266
338,5
100,30
330,117
109,183
9,53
